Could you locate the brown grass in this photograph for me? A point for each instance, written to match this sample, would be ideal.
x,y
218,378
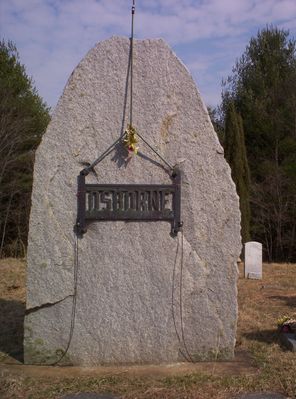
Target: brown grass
x,y
12,308
261,303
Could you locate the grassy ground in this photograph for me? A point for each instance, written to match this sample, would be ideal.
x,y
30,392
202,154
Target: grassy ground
x,y
261,303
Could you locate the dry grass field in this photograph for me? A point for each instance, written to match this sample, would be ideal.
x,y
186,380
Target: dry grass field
x,y
269,366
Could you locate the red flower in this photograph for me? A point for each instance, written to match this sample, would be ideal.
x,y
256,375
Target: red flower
x,y
285,329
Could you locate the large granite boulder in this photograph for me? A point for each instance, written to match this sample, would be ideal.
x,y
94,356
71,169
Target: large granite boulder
x,y
142,295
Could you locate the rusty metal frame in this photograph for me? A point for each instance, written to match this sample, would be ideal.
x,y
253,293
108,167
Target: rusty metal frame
x,y
87,212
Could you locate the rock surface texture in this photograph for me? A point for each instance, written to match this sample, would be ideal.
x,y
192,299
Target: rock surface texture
x,y
142,296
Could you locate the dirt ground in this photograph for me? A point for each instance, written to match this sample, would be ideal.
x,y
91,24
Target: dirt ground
x,y
261,364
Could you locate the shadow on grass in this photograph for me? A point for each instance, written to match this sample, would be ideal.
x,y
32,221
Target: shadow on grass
x,y
12,315
290,300
266,336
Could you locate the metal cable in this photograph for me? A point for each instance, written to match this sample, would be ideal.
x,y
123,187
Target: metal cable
x,y
155,152
173,300
131,54
101,157
181,296
74,296
131,85
107,152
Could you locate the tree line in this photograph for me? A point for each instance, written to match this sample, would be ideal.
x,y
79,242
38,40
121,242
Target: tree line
x,y
255,122
23,120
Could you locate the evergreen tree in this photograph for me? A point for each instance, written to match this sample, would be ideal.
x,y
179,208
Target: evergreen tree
x,y
216,117
263,89
23,119
235,154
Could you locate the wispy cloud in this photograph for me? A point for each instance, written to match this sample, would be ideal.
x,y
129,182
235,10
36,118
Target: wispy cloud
x,y
53,35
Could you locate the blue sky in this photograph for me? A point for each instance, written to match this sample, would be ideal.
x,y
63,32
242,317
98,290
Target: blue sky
x,y
52,36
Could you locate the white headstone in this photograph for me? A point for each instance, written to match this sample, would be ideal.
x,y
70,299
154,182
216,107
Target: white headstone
x,y
129,304
253,260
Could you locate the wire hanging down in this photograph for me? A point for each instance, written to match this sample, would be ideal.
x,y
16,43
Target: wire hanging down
x,y
129,140
132,62
74,301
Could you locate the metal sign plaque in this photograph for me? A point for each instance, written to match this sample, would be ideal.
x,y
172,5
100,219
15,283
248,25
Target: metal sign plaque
x,y
128,202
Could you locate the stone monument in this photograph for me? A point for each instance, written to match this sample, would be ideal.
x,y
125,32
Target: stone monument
x,y
134,292
253,260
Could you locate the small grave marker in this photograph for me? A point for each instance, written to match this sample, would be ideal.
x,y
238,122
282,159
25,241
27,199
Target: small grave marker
x,y
253,260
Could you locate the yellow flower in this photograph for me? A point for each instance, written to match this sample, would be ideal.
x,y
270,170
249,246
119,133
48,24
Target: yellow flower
x,y
130,139
282,320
